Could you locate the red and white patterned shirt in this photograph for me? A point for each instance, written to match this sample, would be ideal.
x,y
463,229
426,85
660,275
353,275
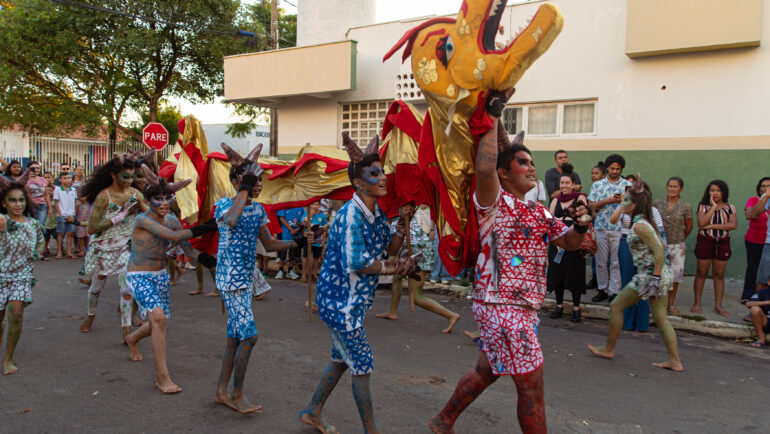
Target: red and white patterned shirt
x,y
514,235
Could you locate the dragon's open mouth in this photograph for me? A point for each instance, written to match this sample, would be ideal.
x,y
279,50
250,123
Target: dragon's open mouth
x,y
490,27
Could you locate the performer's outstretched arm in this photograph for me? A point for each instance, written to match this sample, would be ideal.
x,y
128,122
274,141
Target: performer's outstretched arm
x,y
234,213
273,245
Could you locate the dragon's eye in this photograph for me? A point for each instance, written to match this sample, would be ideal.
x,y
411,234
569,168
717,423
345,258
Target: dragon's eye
x,y
445,50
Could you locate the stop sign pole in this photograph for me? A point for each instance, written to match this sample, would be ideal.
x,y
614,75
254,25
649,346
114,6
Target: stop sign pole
x,y
155,136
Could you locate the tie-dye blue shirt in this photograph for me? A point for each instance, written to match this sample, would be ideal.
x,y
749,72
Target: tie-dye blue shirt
x,y
357,238
237,252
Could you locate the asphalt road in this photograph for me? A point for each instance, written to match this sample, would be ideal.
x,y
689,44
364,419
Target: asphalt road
x,y
69,381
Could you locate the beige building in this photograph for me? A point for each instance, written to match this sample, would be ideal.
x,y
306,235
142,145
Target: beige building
x,y
629,76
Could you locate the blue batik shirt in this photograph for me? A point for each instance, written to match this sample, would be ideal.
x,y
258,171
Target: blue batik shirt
x,y
357,238
603,189
237,252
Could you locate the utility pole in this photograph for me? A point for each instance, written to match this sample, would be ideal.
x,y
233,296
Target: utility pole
x,y
274,111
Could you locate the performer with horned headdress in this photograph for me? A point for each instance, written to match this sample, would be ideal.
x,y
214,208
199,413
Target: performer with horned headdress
x,y
510,274
21,243
147,277
359,239
115,206
240,222
652,280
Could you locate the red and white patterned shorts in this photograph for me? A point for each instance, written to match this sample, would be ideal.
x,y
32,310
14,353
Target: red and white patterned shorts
x,y
508,336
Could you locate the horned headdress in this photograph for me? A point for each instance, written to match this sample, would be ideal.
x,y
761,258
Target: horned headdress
x,y
354,152
250,163
153,181
5,182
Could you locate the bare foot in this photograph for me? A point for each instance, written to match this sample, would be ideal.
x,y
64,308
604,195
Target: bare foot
x,y
261,296
173,282
167,386
9,367
86,326
84,281
601,352
243,406
133,348
388,315
721,312
318,423
471,335
71,256
126,332
58,256
315,307
674,366
439,427
196,292
222,398
452,322
696,309
212,294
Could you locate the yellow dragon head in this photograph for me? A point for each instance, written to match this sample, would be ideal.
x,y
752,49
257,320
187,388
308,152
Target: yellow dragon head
x,y
458,58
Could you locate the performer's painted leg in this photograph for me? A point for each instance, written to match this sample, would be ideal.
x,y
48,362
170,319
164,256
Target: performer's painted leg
x,y
15,311
363,396
395,298
242,357
126,306
97,284
312,415
199,278
530,406
659,313
627,297
470,386
430,304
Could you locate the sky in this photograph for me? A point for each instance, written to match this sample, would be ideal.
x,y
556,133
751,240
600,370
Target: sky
x,y
387,10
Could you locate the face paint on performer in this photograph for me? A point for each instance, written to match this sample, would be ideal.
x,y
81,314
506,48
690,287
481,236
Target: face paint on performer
x,y
15,203
373,181
257,188
139,179
161,204
124,178
522,173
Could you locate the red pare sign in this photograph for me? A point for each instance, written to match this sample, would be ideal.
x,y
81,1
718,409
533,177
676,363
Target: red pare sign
x,y
155,136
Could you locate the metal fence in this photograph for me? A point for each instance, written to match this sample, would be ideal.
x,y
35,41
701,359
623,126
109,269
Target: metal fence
x,y
52,152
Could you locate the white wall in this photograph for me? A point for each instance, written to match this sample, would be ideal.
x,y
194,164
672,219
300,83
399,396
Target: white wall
x,y
321,21
309,120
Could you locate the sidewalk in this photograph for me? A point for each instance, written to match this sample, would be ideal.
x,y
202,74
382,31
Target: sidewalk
x,y
708,322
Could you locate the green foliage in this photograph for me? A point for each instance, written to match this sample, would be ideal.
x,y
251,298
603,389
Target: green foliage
x,y
63,66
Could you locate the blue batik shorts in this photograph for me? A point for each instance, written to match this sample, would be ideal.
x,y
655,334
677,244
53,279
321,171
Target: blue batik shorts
x,y
15,291
352,348
150,290
240,317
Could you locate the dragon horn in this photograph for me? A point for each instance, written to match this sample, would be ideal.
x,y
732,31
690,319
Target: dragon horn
x,y
149,159
638,185
235,158
152,178
502,137
134,155
4,183
374,145
23,178
354,152
254,154
118,159
519,139
176,186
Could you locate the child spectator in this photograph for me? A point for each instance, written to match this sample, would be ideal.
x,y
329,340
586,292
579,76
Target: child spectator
x,y
81,232
49,227
289,219
318,222
759,311
64,198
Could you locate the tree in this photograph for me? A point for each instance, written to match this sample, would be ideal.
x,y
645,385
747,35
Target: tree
x,y
167,115
73,64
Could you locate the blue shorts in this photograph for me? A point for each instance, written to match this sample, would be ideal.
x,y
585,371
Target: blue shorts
x,y
62,227
240,317
150,290
352,348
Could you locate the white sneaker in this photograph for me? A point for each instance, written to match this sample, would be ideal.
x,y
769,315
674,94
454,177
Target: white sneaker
x,y
279,275
433,281
445,282
293,275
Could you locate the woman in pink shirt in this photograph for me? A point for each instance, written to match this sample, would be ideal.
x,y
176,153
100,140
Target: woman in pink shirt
x,y
36,189
755,240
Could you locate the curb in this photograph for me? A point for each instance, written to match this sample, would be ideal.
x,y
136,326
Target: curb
x,y
721,329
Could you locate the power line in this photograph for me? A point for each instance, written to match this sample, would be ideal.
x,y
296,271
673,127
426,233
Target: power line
x,y
285,1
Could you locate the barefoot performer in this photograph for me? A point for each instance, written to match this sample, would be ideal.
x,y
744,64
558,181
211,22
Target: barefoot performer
x,y
240,222
652,281
420,228
21,243
358,238
510,275
147,276
116,204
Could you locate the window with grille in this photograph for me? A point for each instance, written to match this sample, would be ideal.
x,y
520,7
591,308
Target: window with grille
x,y
362,120
513,120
